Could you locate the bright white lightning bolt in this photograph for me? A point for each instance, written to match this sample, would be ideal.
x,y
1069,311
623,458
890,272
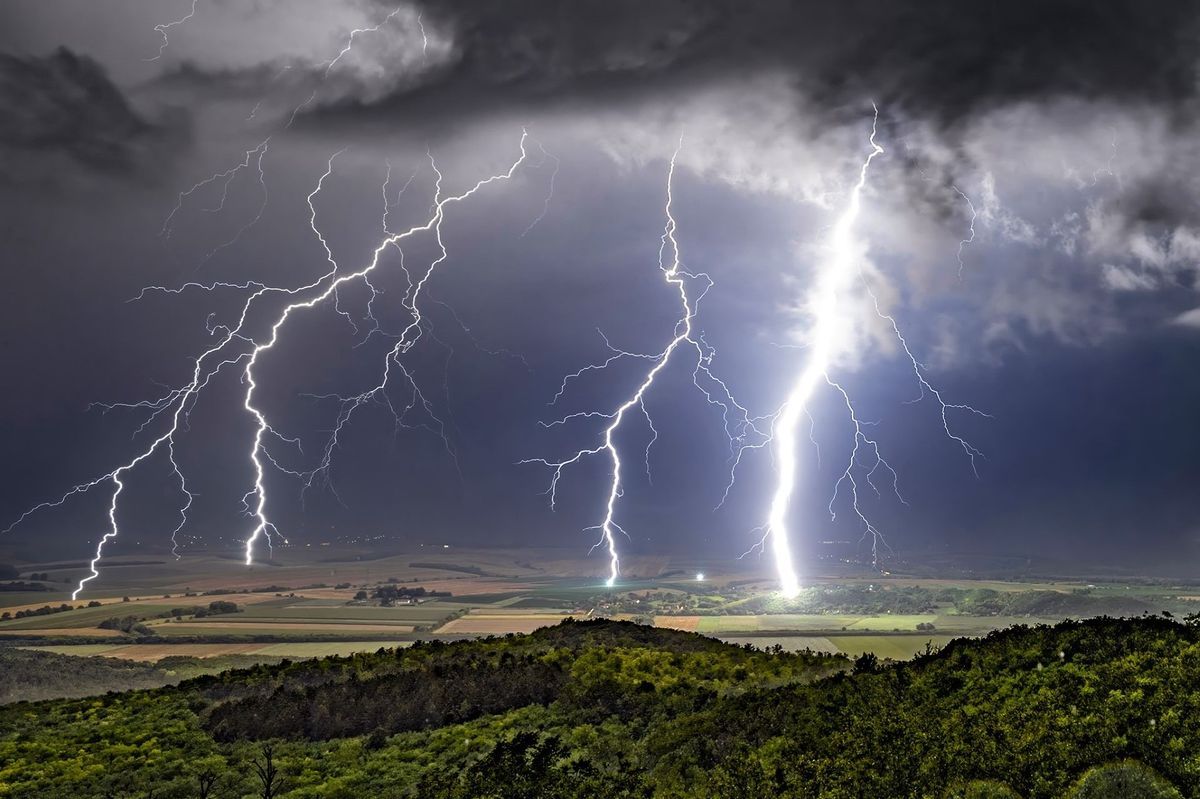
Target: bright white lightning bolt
x,y
206,366
412,332
161,30
404,342
181,400
684,337
833,281
829,338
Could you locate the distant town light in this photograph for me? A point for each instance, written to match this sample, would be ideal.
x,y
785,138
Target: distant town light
x,y
699,576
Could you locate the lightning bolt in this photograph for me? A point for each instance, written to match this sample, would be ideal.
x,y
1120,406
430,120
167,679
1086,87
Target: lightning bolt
x,y
346,48
237,347
684,337
181,400
549,192
828,339
407,338
183,489
162,29
963,243
253,159
424,37
404,342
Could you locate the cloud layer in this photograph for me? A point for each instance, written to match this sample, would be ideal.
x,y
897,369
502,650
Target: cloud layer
x,y
63,106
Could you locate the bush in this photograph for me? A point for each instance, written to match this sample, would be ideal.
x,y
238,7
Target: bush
x,y
982,789
1127,780
45,610
126,624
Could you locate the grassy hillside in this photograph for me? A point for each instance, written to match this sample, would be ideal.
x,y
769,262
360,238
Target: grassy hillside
x,y
1102,708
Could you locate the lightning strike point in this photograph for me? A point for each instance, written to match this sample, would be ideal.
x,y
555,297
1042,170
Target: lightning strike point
x,y
828,339
738,423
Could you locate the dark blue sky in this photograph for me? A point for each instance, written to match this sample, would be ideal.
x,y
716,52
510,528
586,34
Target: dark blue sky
x,y
1071,323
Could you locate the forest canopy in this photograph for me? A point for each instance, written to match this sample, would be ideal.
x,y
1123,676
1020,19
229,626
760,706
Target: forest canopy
x,y
1086,710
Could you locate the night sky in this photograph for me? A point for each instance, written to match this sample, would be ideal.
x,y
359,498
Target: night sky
x,y
1073,320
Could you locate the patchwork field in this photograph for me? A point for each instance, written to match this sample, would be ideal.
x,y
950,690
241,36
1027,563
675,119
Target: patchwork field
x,y
887,623
286,629
153,653
310,601
53,632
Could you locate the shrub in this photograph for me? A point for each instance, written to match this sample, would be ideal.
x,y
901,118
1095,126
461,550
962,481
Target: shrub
x,y
1126,780
982,789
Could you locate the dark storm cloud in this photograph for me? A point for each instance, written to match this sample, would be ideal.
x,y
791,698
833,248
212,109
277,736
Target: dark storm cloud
x,y
942,61
65,105
1069,125
1167,202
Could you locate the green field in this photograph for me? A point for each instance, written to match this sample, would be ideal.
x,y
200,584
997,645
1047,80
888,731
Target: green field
x,y
790,643
896,647
319,649
77,649
294,632
88,617
408,614
295,602
239,619
711,625
295,650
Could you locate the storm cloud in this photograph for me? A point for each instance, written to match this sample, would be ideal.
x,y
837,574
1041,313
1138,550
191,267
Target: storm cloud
x,y
927,60
65,105
1032,225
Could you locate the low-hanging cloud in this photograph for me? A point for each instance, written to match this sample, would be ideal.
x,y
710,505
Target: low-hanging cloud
x,y
64,106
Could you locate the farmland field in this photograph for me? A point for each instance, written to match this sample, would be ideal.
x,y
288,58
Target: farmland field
x,y
497,624
343,613
286,629
83,617
790,643
687,623
897,647
152,652
325,600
